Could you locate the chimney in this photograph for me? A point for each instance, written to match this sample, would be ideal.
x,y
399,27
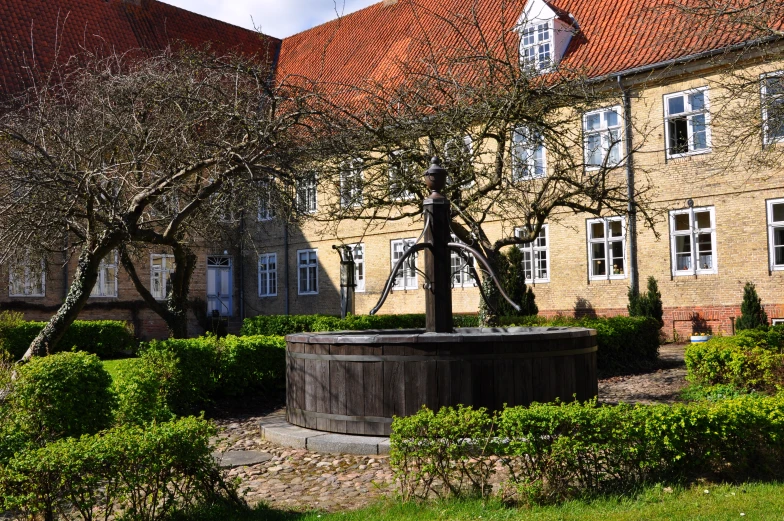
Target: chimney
x,y
387,3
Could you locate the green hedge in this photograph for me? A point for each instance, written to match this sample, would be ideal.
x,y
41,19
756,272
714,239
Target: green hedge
x,y
128,472
553,452
625,343
105,338
288,324
180,376
750,360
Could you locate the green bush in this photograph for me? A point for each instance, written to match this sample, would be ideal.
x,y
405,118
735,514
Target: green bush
x,y
752,314
287,324
648,304
129,472
625,343
750,360
105,338
551,452
62,395
181,375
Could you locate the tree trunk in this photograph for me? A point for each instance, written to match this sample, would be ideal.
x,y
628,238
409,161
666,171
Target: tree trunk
x,y
84,279
185,262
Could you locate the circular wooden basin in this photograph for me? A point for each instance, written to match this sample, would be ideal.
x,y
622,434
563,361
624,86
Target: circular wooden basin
x,y
354,382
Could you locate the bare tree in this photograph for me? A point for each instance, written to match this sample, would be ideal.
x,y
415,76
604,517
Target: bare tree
x,y
126,149
470,97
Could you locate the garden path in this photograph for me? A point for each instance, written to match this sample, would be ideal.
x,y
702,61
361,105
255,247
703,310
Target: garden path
x,y
301,479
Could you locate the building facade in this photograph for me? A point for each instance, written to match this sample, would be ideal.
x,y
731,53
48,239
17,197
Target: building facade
x,y
717,209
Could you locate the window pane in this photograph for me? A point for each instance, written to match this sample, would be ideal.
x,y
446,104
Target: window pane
x,y
682,222
541,239
683,253
303,280
616,228
699,132
778,212
593,121
614,155
593,149
675,105
612,118
697,100
541,264
597,230
527,264
703,220
705,251
679,135
616,253
778,246
598,256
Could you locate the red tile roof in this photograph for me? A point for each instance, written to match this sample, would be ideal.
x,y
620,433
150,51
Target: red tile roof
x,y
614,36
44,29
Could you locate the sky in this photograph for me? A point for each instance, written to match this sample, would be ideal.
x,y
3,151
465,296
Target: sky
x,y
279,18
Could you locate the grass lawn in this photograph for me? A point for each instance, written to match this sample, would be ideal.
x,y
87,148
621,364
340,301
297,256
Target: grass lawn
x,y
113,366
763,501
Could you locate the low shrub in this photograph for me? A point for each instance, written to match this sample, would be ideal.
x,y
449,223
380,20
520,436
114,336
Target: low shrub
x,y
287,324
178,376
750,360
129,472
62,395
552,452
105,338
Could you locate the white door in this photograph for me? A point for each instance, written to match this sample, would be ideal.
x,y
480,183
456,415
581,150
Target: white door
x,y
219,286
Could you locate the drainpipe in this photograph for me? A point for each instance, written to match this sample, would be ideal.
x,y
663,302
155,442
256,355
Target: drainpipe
x,y
631,209
242,266
286,262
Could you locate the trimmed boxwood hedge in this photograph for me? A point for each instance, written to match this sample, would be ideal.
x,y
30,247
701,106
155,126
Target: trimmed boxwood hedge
x,y
551,452
625,343
288,324
179,376
105,338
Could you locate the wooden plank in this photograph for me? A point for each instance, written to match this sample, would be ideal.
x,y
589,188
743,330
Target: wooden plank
x,y
373,375
482,383
431,384
414,378
394,399
444,379
503,376
355,402
337,390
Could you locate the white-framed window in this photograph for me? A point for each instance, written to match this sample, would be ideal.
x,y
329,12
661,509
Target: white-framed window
x,y
772,85
307,272
603,137
358,253
776,233
536,45
399,170
687,122
776,321
106,285
268,275
161,268
461,268
693,241
607,248
306,193
406,277
27,278
536,256
528,155
351,183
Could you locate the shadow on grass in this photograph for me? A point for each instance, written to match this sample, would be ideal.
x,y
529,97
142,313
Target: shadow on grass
x,y
234,513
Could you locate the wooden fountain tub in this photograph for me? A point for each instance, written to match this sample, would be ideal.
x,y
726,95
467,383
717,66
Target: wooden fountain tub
x,y
354,382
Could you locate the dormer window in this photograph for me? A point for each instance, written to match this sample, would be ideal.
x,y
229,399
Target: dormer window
x,y
536,48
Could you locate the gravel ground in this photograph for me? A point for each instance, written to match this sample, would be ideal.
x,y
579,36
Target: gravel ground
x,y
301,480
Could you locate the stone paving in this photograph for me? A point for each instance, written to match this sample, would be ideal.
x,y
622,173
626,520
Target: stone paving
x,y
298,479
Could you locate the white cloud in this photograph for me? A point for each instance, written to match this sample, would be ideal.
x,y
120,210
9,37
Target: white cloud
x,y
279,18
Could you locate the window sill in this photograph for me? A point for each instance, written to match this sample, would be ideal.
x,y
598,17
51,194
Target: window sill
x,y
26,296
269,296
605,277
104,296
694,274
406,289
688,155
310,293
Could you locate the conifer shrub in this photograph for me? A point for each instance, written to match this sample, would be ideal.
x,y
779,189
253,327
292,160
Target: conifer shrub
x,y
648,304
752,314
